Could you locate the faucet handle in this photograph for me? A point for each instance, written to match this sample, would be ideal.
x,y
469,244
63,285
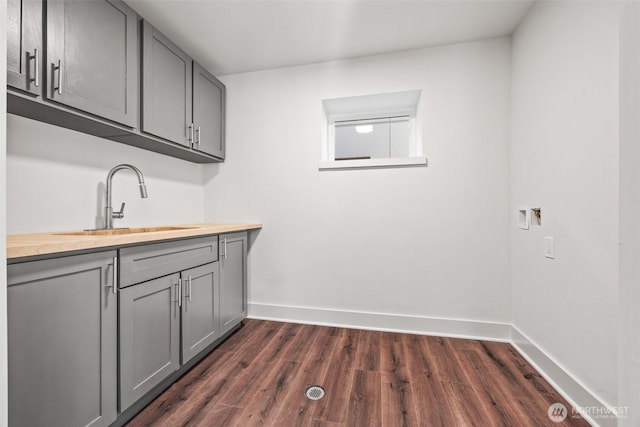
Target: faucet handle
x,y
119,214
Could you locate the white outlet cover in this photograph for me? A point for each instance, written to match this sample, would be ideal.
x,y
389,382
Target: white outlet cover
x,y
548,247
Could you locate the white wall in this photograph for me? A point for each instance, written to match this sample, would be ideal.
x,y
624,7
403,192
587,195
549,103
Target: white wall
x,y
629,336
564,158
56,181
420,241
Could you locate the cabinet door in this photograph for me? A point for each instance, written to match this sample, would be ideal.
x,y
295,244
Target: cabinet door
x,y
166,88
62,342
233,280
24,45
200,308
149,336
92,58
208,112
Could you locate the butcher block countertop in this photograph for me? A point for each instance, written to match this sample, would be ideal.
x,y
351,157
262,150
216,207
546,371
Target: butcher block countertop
x,y
38,244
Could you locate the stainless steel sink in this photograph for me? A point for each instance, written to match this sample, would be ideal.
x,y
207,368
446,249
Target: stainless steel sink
x,y
118,231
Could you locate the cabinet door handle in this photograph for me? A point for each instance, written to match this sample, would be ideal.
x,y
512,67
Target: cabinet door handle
x,y
36,66
190,136
115,274
189,288
36,80
179,292
199,134
59,81
225,247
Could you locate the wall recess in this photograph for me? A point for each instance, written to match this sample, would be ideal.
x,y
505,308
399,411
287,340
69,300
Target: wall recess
x,y
523,218
535,217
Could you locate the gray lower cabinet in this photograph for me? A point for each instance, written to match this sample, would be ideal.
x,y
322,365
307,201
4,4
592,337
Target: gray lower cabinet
x,y
149,336
163,324
233,280
169,310
24,45
85,345
200,309
62,344
92,54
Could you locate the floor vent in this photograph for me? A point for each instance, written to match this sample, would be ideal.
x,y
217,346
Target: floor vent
x,y
314,392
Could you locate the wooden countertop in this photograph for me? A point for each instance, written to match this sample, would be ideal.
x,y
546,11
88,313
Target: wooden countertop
x,y
26,245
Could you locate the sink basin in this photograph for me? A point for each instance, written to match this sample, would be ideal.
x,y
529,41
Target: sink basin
x,y
117,231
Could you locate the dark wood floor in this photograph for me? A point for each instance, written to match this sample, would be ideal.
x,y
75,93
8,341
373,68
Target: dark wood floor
x,y
259,375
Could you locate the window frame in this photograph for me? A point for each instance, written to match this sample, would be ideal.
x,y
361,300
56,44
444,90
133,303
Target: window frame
x,y
352,109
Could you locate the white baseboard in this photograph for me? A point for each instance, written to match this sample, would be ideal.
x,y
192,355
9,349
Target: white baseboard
x,y
578,395
569,387
423,325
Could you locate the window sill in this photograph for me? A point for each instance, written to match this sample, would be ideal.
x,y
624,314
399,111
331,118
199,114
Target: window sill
x,y
373,163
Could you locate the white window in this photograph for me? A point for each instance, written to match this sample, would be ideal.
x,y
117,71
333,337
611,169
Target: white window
x,y
372,131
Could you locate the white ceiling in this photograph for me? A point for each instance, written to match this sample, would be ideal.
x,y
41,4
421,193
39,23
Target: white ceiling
x,y
233,36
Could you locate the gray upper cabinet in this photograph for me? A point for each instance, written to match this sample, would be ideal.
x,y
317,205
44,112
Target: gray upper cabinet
x,y
200,309
89,66
24,45
166,88
149,336
62,342
181,101
209,99
233,280
92,54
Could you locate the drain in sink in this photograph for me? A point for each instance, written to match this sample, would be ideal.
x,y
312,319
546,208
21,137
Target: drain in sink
x,y
314,392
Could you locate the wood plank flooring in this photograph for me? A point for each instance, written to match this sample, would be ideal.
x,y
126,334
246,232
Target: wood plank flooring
x,y
258,376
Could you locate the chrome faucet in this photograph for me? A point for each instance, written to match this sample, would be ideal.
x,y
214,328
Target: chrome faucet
x,y
109,214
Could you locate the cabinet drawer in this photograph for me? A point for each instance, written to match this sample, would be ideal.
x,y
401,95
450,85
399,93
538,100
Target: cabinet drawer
x,y
141,263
